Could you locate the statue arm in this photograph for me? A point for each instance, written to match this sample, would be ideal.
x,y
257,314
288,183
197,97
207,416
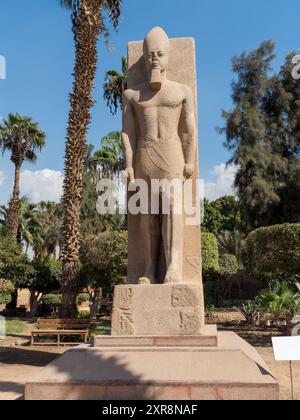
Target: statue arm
x,y
190,133
128,135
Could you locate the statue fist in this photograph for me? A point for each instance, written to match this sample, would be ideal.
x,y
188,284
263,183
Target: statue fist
x,y
189,171
130,175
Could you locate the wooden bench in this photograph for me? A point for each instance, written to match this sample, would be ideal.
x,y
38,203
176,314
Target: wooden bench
x,y
59,328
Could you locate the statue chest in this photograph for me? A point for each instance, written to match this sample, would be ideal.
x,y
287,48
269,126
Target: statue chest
x,y
167,100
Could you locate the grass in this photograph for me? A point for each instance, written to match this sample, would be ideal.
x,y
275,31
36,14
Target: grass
x,y
99,330
14,326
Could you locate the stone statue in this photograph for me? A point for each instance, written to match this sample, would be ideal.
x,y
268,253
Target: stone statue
x,y
153,112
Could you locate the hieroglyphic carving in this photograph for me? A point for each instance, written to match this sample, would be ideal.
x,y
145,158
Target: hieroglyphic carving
x,y
185,296
124,308
127,322
125,298
195,262
190,322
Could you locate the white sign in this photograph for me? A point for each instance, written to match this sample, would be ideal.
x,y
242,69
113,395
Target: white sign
x,y
2,328
286,349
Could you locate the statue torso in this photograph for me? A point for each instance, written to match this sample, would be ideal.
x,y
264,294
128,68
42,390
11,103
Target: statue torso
x,y
159,150
158,113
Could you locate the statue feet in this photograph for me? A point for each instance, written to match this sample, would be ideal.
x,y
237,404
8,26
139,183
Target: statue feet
x,y
172,277
144,281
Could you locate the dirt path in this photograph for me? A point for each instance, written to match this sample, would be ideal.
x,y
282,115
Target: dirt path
x,y
18,364
281,371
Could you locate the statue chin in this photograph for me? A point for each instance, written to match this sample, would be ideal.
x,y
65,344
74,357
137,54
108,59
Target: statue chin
x,y
156,79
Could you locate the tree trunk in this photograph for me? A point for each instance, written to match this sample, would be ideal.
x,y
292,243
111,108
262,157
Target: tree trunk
x,y
87,29
14,209
12,306
96,303
35,299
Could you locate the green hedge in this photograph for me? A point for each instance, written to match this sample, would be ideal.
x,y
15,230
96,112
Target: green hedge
x,y
228,265
210,252
52,299
274,250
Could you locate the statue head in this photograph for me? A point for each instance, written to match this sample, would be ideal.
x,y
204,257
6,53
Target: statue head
x,y
156,53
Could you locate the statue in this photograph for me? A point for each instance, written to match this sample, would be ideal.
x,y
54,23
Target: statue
x,y
154,149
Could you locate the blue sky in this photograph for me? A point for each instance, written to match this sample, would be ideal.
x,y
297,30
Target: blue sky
x,y
36,40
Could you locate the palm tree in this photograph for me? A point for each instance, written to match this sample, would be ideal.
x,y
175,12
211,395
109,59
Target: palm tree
x,y
88,17
29,231
52,222
21,137
114,86
109,158
231,243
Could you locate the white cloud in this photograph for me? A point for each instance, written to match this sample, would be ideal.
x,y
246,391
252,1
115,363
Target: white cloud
x,y
2,178
224,183
45,185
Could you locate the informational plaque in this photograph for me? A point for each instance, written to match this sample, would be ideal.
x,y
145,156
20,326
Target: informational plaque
x,y
286,349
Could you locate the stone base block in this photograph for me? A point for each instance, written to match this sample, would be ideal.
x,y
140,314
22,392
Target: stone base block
x,y
208,339
231,371
158,310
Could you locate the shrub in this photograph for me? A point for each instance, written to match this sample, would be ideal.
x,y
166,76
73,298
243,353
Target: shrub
x,y
6,289
210,252
250,310
83,298
52,300
50,304
273,251
84,315
280,302
104,260
228,265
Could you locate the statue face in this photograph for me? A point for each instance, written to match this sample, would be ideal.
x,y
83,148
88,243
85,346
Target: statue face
x,y
156,53
157,58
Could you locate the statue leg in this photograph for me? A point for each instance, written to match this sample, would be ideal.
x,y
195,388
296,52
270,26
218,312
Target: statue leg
x,y
172,231
150,235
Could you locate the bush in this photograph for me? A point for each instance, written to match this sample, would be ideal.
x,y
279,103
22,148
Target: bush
x,y
273,251
228,265
83,298
6,289
84,315
279,303
50,305
210,252
52,299
104,260
250,310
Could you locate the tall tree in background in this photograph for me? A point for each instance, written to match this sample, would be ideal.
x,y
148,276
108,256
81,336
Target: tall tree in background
x,y
221,215
88,17
261,133
114,86
282,105
22,137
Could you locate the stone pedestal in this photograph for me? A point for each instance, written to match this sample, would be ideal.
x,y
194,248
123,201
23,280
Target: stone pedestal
x,y
135,368
158,310
159,350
